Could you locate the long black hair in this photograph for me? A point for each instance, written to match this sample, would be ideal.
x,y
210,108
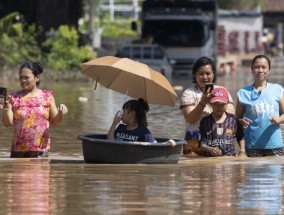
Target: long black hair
x,y
35,67
203,61
140,107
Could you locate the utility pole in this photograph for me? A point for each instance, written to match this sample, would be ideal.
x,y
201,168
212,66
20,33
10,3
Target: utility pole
x,y
136,9
111,10
94,23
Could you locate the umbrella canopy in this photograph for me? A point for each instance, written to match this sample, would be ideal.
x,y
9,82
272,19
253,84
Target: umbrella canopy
x,y
124,74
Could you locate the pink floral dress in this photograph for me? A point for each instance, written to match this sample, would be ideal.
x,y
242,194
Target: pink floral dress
x,y
31,120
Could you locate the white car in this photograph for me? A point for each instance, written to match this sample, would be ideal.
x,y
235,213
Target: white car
x,y
150,54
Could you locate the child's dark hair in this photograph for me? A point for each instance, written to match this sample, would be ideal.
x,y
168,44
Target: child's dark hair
x,y
203,61
140,107
35,67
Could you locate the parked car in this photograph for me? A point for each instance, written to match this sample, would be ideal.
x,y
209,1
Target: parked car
x,y
150,54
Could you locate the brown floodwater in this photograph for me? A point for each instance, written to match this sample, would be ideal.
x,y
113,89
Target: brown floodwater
x,y
64,184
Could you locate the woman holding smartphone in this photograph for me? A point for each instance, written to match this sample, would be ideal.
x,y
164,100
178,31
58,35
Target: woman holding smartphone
x,y
31,110
195,102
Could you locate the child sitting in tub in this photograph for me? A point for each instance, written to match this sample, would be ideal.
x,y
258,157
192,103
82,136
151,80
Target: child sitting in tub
x,y
135,123
134,126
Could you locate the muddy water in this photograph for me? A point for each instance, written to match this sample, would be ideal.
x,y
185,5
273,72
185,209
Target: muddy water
x,y
64,184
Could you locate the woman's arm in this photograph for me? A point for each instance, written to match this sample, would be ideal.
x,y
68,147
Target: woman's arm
x,y
242,151
56,113
240,110
193,113
280,119
7,115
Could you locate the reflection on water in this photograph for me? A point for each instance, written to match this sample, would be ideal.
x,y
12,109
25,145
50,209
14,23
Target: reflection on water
x,y
25,187
263,189
64,184
200,186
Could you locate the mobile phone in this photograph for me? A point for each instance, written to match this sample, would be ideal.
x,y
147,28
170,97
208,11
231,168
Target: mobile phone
x,y
3,96
209,87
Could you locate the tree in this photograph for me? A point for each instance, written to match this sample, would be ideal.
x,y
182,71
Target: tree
x,y
240,4
45,13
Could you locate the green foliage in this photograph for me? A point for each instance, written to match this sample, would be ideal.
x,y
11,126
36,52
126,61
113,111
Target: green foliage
x,y
240,4
17,43
6,23
63,51
119,28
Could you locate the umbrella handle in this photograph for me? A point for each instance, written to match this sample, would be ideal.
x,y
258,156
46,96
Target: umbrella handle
x,y
120,112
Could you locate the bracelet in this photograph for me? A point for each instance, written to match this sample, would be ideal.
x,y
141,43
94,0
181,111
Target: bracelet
x,y
201,104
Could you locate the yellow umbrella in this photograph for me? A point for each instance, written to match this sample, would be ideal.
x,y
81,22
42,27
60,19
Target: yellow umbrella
x,y
124,74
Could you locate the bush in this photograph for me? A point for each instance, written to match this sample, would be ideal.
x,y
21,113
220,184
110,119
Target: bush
x,y
121,27
18,42
63,51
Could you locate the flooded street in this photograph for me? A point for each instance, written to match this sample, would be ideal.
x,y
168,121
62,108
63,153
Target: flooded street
x,y
64,184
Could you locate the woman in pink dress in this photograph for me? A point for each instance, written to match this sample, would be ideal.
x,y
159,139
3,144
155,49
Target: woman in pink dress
x,y
31,110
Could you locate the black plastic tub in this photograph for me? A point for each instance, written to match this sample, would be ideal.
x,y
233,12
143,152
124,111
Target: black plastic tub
x,y
97,149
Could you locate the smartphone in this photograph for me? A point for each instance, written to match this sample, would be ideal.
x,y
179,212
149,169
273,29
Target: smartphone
x,y
3,96
209,87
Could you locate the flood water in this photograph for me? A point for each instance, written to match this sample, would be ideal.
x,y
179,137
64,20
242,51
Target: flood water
x,y
64,184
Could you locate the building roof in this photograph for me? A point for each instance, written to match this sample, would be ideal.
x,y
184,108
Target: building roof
x,y
273,6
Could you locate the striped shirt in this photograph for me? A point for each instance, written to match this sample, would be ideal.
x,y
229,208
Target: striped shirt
x,y
221,135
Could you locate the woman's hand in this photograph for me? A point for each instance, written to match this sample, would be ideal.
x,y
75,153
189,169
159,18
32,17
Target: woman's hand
x,y
5,104
62,109
274,120
205,99
8,115
245,122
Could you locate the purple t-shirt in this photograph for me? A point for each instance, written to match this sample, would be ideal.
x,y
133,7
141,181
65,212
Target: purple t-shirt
x,y
221,135
139,134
